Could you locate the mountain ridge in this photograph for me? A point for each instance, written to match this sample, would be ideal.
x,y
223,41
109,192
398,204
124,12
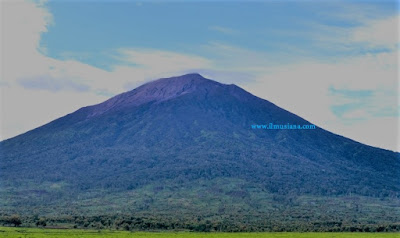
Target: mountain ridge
x,y
192,141
158,85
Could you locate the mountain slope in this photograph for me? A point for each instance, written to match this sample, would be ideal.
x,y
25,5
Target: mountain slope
x,y
188,140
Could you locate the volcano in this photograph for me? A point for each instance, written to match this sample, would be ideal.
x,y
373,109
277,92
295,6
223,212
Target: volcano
x,y
184,148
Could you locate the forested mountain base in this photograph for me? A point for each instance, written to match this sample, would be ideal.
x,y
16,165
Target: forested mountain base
x,y
233,207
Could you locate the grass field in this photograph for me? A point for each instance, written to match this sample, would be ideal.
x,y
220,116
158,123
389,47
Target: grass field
x,y
58,233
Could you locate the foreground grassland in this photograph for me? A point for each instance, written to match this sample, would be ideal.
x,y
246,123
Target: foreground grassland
x,y
58,233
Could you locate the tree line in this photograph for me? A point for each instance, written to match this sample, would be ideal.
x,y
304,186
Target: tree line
x,y
131,223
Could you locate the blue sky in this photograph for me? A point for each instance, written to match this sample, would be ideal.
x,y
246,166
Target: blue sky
x,y
334,63
288,31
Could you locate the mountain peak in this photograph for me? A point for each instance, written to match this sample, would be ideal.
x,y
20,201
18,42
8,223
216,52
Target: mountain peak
x,y
186,81
157,91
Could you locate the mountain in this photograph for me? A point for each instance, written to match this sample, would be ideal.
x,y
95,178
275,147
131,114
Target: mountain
x,y
183,148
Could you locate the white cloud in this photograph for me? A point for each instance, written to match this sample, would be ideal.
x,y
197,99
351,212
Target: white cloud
x,y
25,109
163,60
379,33
303,88
150,64
356,114
224,30
41,88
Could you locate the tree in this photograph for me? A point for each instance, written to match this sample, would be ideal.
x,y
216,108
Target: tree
x,y
15,220
41,222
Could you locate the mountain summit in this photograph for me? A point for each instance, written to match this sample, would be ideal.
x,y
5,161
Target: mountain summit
x,y
158,91
161,90
184,148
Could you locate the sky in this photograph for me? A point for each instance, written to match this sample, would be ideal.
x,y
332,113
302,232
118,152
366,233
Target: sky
x,y
334,63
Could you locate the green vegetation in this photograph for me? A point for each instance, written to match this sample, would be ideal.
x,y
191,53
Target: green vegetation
x,y
61,233
230,205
